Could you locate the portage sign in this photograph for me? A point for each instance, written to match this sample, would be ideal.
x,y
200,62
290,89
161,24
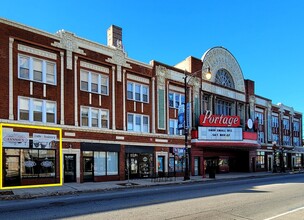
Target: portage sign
x,y
209,120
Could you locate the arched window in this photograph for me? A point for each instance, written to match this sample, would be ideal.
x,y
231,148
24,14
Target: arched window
x,y
224,78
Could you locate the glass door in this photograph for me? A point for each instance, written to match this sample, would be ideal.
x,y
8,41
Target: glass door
x,y
88,169
69,168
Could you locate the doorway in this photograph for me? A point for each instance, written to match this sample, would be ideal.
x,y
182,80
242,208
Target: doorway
x,y
12,171
88,169
196,166
69,168
270,166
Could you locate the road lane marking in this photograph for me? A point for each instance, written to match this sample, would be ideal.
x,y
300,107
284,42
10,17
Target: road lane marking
x,y
285,213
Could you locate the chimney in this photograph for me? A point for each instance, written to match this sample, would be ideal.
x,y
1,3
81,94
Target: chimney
x,y
115,36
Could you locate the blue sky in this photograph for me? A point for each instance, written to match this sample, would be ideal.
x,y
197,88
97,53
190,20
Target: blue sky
x,y
265,36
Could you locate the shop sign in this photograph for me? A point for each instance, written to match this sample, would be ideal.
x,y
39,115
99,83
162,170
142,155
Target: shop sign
x,y
210,120
45,141
15,139
220,134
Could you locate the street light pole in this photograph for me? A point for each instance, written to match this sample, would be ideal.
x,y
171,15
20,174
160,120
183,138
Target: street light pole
x,y
186,129
186,176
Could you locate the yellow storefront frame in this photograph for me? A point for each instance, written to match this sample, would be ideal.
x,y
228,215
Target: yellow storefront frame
x,y
31,127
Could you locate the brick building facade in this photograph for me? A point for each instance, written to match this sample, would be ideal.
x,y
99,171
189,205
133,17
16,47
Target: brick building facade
x,y
119,116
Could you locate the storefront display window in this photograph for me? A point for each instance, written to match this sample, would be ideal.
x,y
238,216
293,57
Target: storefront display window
x,y
99,163
112,163
179,160
105,163
261,159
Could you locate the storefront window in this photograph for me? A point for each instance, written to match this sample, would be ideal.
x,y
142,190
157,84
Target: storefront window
x,y
260,159
179,160
99,163
112,163
298,160
37,163
105,163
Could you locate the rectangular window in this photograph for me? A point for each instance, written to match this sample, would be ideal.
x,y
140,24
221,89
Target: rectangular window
x,y
24,109
104,119
84,117
36,69
112,163
38,163
260,159
50,112
94,82
50,73
145,95
130,122
145,124
24,67
93,117
99,163
175,99
137,92
171,100
36,110
223,107
104,85
130,91
105,163
173,127
84,81
138,123
37,113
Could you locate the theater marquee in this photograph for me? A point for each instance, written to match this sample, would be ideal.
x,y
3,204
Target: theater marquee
x,y
219,127
220,133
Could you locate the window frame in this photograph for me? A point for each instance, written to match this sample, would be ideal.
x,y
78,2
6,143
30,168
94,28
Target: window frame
x,y
144,128
172,102
88,81
31,109
135,92
31,69
100,115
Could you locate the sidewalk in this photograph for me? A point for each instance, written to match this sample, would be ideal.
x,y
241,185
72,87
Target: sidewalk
x,y
74,188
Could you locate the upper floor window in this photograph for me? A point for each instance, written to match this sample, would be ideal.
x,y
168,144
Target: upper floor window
x,y
173,127
275,121
138,123
94,117
35,69
286,124
224,78
137,92
260,117
94,82
38,110
176,99
206,103
296,126
223,107
261,126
